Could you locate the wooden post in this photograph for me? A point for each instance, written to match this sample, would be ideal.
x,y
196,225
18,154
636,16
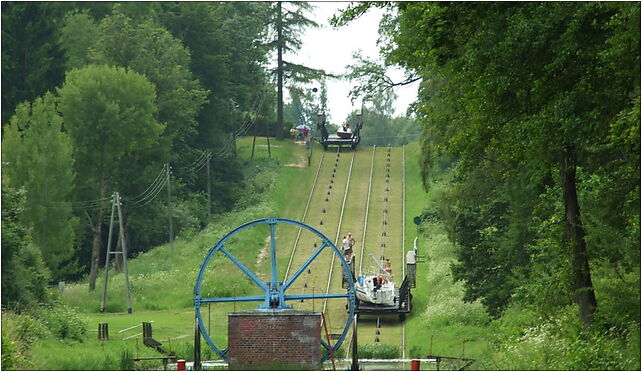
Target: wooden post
x,y
355,348
147,330
268,142
197,345
103,331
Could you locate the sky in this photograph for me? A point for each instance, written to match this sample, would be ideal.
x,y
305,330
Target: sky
x,y
331,49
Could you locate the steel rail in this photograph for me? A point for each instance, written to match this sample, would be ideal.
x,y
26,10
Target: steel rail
x,y
305,213
365,223
403,244
292,256
336,239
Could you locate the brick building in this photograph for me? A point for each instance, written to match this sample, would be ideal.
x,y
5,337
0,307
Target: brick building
x,y
278,339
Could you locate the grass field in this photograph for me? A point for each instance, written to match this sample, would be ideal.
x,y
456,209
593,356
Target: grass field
x,y
162,280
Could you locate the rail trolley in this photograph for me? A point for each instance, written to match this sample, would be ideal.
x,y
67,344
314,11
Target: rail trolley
x,y
343,137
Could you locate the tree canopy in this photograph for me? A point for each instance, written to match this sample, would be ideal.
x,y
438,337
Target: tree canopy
x,y
526,96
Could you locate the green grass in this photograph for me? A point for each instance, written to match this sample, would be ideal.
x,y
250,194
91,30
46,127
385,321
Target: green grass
x,y
162,280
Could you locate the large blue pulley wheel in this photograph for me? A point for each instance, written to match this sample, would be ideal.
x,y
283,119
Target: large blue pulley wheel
x,y
275,295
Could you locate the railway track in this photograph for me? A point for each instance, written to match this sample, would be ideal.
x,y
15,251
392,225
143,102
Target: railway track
x,y
341,201
384,239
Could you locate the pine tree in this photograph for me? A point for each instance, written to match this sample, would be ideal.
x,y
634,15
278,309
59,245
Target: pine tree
x,y
32,61
288,26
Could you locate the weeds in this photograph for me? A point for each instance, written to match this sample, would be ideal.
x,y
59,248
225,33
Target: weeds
x,y
379,351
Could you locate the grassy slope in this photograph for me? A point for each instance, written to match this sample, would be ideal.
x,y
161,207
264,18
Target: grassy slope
x,y
162,280
439,315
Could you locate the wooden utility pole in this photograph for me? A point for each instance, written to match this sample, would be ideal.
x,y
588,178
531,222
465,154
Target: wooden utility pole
x,y
209,189
268,141
279,72
111,228
253,144
169,207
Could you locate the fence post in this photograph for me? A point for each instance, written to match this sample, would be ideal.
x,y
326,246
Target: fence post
x,y
103,331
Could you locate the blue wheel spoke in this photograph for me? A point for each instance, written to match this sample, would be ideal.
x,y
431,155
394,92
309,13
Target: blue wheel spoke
x,y
233,299
307,263
315,296
247,272
325,344
273,250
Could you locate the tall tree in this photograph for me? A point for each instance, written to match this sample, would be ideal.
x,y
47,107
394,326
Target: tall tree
x,y
287,26
152,51
503,81
530,76
32,61
39,160
24,275
109,113
229,60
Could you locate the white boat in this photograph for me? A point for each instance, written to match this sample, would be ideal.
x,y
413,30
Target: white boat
x,y
344,132
376,288
367,291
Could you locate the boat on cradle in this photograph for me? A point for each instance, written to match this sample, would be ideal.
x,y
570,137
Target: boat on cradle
x,y
377,288
344,133
379,294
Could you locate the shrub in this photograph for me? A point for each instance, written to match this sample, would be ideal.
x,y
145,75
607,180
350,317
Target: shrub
x,y
417,351
560,343
63,321
9,357
379,351
19,333
126,361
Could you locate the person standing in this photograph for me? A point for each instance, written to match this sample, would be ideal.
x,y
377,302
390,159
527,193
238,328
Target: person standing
x,y
387,266
351,240
347,249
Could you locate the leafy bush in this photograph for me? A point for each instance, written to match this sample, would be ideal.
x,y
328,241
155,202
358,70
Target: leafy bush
x,y
19,333
189,214
64,322
417,351
24,274
126,361
560,343
9,357
379,351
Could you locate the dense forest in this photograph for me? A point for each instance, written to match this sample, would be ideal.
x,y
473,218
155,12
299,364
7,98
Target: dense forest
x,y
100,96
529,110
535,107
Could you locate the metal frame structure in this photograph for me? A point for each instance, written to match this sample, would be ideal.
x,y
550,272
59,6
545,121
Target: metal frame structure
x,y
275,296
328,139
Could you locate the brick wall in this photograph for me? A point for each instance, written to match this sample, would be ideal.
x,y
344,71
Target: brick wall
x,y
283,339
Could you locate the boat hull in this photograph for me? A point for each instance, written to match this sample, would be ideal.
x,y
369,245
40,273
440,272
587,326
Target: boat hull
x,y
366,291
344,135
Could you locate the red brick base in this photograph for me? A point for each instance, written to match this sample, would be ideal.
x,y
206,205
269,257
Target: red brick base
x,y
285,339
